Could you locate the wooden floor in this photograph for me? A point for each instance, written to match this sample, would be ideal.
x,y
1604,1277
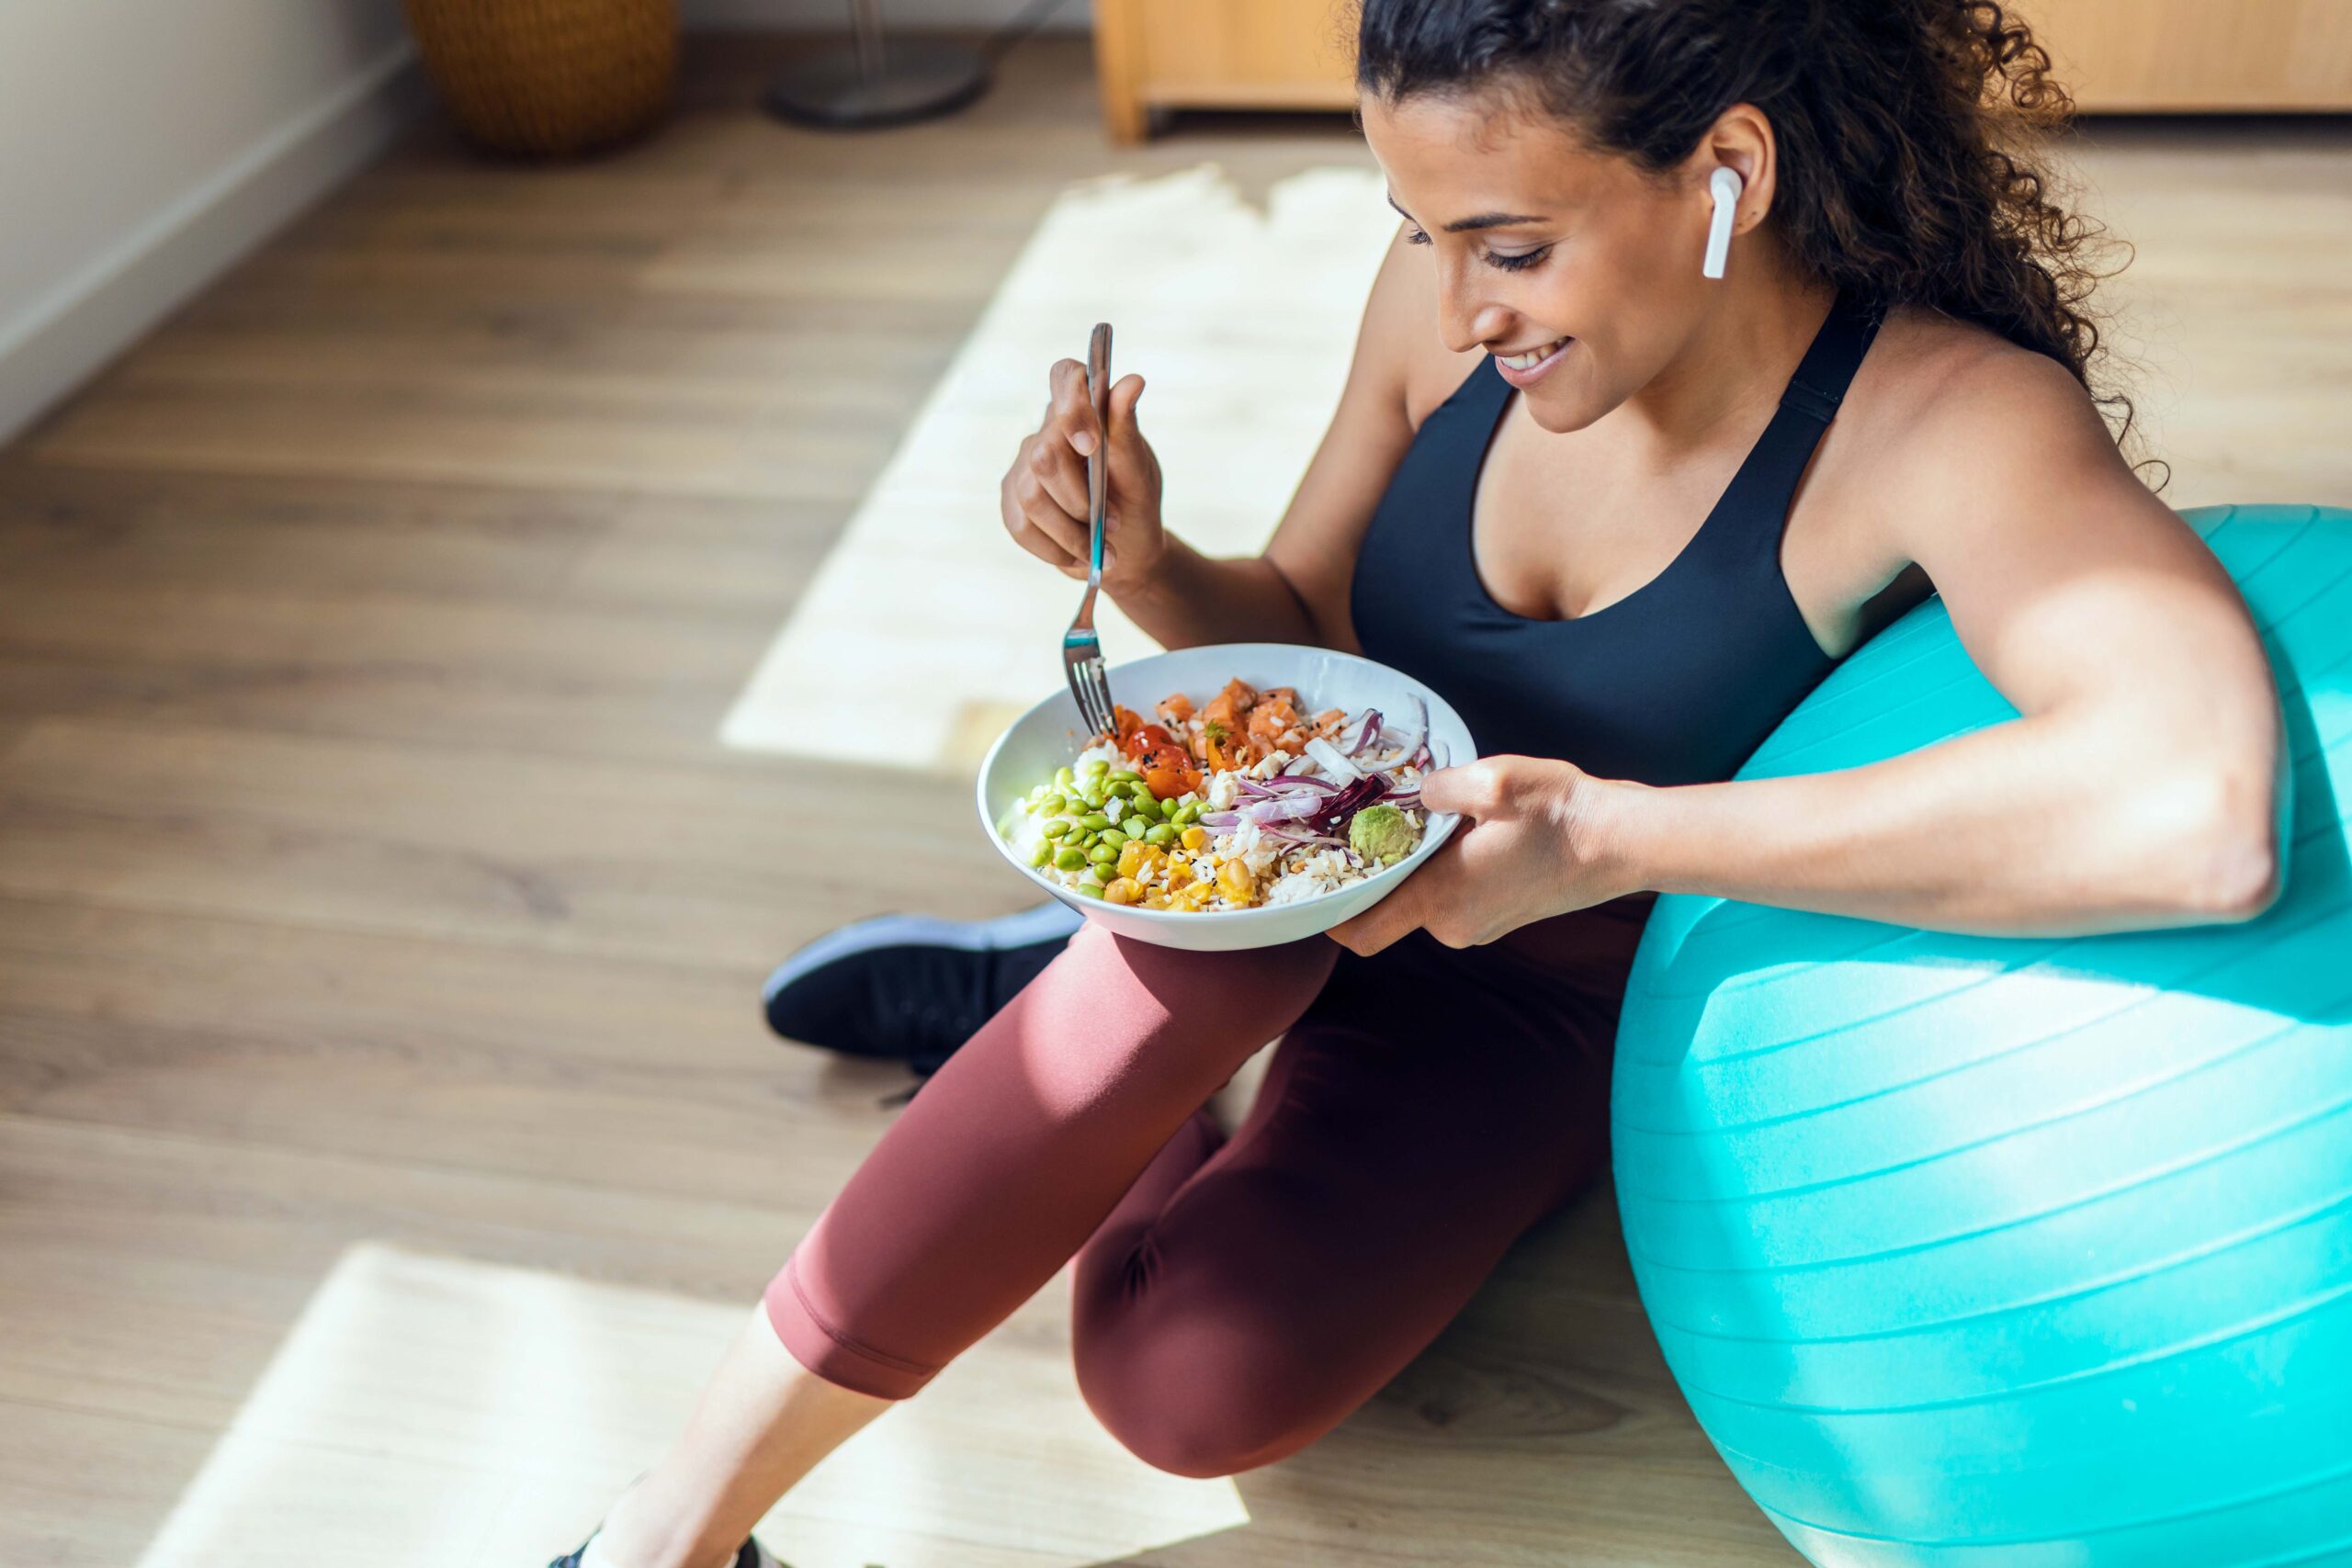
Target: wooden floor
x,y
370,873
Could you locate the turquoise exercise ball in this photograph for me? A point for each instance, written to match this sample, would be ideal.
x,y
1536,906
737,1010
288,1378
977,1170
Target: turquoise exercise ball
x,y
2017,1252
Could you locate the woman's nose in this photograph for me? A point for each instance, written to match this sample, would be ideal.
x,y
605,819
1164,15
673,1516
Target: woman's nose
x,y
1465,321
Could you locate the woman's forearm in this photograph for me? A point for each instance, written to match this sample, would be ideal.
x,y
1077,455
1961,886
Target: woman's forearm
x,y
1189,599
2019,830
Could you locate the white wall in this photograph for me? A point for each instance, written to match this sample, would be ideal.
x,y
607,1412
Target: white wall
x,y
145,145
834,15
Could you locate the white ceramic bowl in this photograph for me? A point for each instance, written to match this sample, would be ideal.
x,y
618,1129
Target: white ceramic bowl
x,y
1049,735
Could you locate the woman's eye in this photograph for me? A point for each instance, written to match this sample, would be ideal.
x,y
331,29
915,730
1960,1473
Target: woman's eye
x,y
1500,260
1519,263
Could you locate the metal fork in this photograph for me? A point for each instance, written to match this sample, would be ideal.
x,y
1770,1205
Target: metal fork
x,y
1081,649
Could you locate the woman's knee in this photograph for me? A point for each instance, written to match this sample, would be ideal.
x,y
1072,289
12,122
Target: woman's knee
x,y
1203,1403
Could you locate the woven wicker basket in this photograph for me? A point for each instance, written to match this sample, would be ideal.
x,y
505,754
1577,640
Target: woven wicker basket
x,y
550,77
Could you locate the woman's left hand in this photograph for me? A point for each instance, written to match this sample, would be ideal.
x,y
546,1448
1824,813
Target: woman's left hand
x,y
1531,847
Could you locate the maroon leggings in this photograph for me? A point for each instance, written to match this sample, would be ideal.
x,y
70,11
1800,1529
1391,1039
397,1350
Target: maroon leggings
x,y
1232,1300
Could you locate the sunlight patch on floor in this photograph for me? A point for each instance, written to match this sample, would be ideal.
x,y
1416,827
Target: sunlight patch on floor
x,y
927,629
430,1410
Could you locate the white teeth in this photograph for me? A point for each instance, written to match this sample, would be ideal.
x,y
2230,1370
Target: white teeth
x,y
1533,357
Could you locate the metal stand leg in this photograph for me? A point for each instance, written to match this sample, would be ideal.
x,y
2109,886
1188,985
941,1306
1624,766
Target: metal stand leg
x,y
872,83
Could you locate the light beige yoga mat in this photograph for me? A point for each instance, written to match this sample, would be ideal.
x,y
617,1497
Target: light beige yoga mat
x,y
434,1411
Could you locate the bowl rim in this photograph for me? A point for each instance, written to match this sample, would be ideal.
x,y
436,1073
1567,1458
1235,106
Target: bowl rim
x,y
1439,827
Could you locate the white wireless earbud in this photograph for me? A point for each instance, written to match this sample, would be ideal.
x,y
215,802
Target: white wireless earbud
x,y
1725,185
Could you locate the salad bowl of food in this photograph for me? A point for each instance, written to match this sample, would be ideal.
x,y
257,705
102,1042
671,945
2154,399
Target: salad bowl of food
x,y
1253,793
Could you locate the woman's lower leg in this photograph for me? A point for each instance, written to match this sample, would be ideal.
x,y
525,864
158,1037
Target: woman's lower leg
x,y
763,1422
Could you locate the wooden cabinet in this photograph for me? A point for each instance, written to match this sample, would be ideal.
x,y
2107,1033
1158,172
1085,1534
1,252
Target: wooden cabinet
x,y
1259,54
2198,56
2154,56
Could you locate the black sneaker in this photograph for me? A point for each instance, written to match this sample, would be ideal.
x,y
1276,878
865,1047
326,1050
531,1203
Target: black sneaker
x,y
912,987
753,1555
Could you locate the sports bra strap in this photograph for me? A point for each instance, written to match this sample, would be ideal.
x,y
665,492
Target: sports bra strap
x,y
1829,362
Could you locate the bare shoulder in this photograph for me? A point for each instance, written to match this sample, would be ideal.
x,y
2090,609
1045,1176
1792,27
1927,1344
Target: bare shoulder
x,y
1937,394
1949,428
1956,456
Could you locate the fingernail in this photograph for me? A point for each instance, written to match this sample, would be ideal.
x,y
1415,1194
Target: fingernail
x,y
1084,443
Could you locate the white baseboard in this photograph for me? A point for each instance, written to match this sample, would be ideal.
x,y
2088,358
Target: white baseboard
x,y
74,330
832,16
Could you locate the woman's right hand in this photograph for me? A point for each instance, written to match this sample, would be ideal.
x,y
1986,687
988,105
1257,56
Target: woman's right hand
x,y
1044,493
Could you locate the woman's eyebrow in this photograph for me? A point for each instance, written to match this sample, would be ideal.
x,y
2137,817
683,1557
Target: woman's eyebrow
x,y
1484,220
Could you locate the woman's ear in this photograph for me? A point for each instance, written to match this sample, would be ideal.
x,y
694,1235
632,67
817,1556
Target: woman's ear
x,y
1740,141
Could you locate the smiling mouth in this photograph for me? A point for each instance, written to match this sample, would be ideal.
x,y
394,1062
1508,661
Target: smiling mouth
x,y
1533,357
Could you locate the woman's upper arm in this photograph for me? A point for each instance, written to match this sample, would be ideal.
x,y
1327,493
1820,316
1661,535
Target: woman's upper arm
x,y
1314,547
2075,589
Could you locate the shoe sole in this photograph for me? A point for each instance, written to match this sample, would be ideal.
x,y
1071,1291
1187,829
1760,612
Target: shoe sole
x,y
1040,924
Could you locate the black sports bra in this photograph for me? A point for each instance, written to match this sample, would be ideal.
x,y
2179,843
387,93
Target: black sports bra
x,y
1678,681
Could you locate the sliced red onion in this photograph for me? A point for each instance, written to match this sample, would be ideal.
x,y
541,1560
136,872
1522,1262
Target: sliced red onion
x,y
1219,818
1367,733
1275,788
1411,742
1290,808
1328,757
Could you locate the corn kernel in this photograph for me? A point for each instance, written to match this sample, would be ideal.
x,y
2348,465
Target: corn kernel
x,y
1155,899
1194,837
1130,857
1180,872
1122,890
1233,878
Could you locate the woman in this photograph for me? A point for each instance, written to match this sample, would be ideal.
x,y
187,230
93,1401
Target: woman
x,y
1624,516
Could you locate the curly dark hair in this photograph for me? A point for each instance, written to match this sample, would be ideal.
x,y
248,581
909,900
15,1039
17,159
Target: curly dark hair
x,y
1907,132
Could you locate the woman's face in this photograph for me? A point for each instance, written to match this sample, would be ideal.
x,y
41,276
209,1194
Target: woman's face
x,y
1577,272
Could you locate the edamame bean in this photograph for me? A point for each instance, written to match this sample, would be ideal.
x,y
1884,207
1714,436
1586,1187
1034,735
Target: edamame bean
x,y
1064,778
1057,827
1052,806
1093,768
1090,889
1041,854
1147,806
1187,814
1103,854
1070,857
1112,837
1094,821
1159,833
